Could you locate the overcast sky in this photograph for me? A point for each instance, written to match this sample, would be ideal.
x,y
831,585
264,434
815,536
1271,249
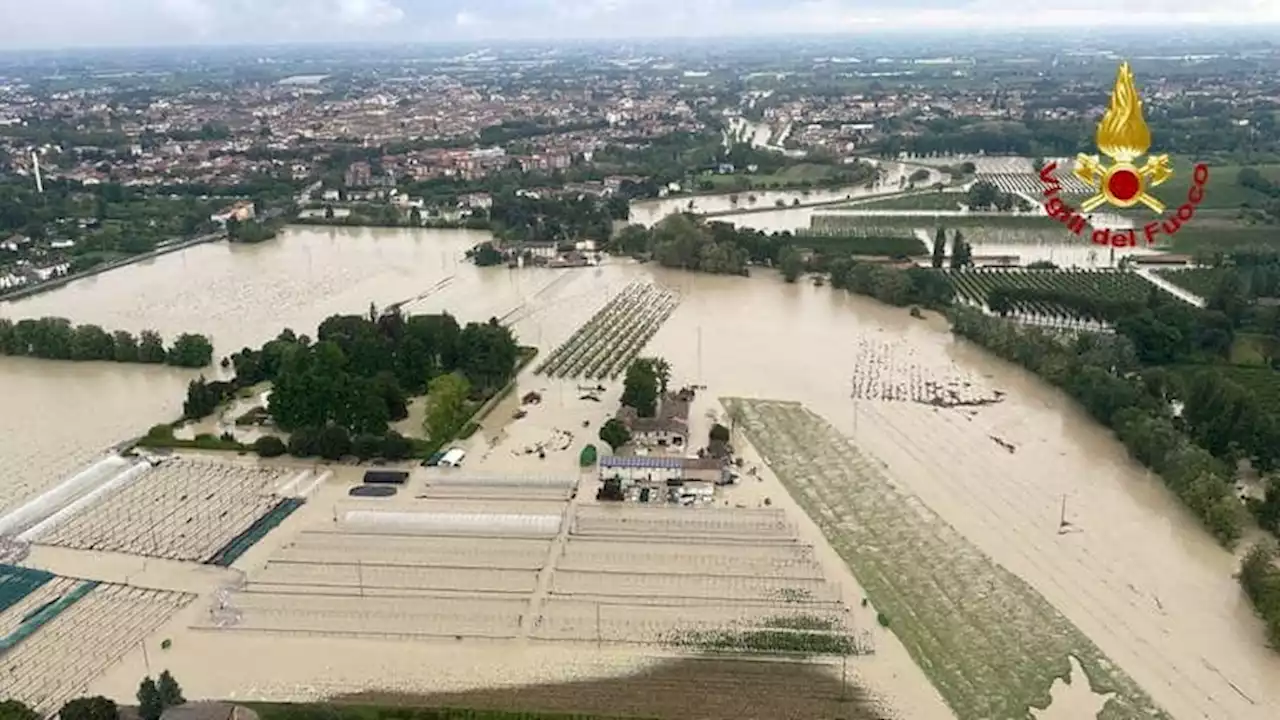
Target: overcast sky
x,y
72,23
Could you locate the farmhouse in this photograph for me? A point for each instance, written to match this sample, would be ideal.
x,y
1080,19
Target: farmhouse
x,y
670,426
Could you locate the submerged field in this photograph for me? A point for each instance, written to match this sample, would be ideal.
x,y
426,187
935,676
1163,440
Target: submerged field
x,y
602,348
707,689
990,644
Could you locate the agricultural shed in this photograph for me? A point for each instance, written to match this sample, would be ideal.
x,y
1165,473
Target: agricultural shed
x,y
661,469
385,477
458,523
539,481
1163,259
208,710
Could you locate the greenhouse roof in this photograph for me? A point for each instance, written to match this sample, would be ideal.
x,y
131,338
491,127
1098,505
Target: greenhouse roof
x,y
642,461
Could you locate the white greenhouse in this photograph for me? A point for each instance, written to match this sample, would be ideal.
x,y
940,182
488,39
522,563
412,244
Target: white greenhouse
x,y
458,523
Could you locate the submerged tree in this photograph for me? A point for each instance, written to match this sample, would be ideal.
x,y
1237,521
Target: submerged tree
x,y
615,433
170,691
792,264
15,710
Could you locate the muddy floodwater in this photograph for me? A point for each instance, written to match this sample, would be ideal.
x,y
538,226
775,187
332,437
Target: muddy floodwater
x,y
1135,574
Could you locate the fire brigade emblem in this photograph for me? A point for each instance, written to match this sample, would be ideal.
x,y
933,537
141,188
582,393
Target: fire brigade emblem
x,y
1123,136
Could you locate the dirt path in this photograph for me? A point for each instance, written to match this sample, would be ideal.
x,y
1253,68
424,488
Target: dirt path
x,y
547,573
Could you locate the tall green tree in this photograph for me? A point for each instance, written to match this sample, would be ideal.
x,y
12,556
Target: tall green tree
x,y
939,247
190,350
151,348
961,255
614,433
791,264
446,406
150,703
641,388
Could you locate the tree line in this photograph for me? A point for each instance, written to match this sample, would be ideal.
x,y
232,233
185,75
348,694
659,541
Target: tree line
x,y
1250,178
1260,579
154,697
561,220
1104,374
684,241
55,338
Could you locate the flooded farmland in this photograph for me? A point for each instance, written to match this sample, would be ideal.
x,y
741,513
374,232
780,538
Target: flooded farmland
x,y
1137,577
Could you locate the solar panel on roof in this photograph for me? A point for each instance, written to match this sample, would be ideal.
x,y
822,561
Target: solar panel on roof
x,y
640,461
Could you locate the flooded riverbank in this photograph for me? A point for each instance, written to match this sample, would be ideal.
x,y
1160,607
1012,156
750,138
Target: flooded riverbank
x,y
1138,577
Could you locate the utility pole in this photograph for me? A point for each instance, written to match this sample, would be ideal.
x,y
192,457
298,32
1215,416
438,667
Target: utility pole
x,y
844,677
599,638
699,353
360,575
853,396
146,659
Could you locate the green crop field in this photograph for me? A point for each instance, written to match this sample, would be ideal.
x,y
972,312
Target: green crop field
x,y
1200,281
1210,235
1103,285
791,175
1261,382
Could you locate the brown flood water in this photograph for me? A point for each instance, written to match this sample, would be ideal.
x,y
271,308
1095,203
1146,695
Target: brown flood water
x,y
1138,576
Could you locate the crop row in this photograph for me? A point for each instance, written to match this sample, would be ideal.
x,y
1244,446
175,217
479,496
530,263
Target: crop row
x,y
1031,184
992,646
603,346
1105,286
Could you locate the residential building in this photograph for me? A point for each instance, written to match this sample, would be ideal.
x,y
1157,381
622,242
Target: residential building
x,y
668,428
239,212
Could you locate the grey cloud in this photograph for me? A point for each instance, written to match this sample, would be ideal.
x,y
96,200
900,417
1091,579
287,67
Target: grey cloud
x,y
27,23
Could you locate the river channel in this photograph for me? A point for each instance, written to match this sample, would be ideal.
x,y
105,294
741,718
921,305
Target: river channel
x,y
1140,578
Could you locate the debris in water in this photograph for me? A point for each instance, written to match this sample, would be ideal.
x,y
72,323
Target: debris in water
x,y
1004,444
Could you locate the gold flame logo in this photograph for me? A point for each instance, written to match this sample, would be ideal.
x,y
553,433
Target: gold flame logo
x,y
1123,136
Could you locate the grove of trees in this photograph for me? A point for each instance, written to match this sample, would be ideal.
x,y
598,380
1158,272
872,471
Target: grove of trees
x,y
338,394
562,220
55,338
1104,374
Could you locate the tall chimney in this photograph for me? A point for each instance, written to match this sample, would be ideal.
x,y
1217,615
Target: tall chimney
x,y
35,163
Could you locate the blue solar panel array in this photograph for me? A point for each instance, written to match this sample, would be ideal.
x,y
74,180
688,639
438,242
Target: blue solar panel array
x,y
642,461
